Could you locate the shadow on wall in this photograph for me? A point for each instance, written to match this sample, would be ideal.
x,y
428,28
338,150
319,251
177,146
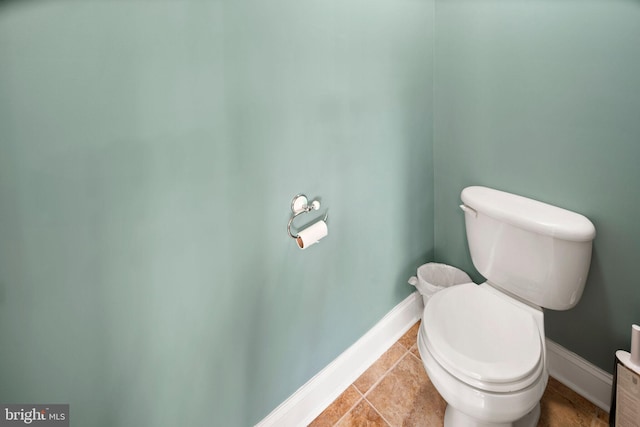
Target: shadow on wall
x,y
582,320
7,3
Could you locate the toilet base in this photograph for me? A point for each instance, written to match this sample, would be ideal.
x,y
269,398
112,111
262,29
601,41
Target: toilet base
x,y
455,418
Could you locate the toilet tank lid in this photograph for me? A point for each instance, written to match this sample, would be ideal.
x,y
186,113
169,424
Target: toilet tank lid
x,y
529,214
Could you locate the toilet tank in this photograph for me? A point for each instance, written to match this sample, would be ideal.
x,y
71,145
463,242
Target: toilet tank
x,y
536,251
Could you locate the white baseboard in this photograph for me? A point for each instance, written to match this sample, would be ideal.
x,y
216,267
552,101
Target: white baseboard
x,y
579,375
313,397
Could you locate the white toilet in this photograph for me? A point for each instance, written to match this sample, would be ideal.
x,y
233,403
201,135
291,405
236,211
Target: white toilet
x,y
483,346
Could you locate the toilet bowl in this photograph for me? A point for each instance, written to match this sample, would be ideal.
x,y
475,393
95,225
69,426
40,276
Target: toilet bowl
x,y
483,346
485,355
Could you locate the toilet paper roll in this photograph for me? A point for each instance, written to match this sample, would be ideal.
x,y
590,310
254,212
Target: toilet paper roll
x,y
312,234
635,345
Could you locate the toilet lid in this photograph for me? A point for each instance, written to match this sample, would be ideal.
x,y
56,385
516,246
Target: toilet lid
x,y
481,337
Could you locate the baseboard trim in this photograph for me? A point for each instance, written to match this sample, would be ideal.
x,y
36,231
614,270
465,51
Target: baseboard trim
x,y
579,375
313,397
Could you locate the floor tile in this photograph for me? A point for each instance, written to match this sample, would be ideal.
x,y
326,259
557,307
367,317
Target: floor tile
x,y
602,416
379,368
415,351
338,408
560,406
397,392
363,415
410,337
405,396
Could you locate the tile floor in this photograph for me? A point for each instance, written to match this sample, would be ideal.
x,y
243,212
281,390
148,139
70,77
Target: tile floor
x,y
395,391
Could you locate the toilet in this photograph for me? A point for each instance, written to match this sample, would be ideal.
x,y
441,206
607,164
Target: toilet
x,y
483,346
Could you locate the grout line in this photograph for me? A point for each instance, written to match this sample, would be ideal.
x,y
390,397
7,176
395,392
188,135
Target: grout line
x,y
406,350
385,372
383,376
352,406
378,412
363,396
418,359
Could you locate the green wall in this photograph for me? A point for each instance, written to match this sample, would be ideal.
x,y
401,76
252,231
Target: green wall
x,y
149,152
542,98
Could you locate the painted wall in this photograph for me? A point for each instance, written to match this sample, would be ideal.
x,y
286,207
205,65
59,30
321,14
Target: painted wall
x,y
542,98
149,152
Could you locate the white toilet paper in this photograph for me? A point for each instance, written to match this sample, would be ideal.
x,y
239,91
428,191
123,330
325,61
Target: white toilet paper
x,y
635,345
312,234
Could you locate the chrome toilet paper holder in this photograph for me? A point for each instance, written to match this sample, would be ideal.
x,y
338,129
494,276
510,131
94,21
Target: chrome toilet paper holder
x,y
300,205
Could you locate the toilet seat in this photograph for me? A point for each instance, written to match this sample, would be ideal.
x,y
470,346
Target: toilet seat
x,y
483,338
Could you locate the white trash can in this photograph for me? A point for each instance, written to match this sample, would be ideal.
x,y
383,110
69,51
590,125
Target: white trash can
x,y
433,277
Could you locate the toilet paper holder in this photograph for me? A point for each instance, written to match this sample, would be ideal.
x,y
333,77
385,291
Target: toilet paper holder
x,y
300,205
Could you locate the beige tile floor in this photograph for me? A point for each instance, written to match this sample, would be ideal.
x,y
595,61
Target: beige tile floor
x,y
395,391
